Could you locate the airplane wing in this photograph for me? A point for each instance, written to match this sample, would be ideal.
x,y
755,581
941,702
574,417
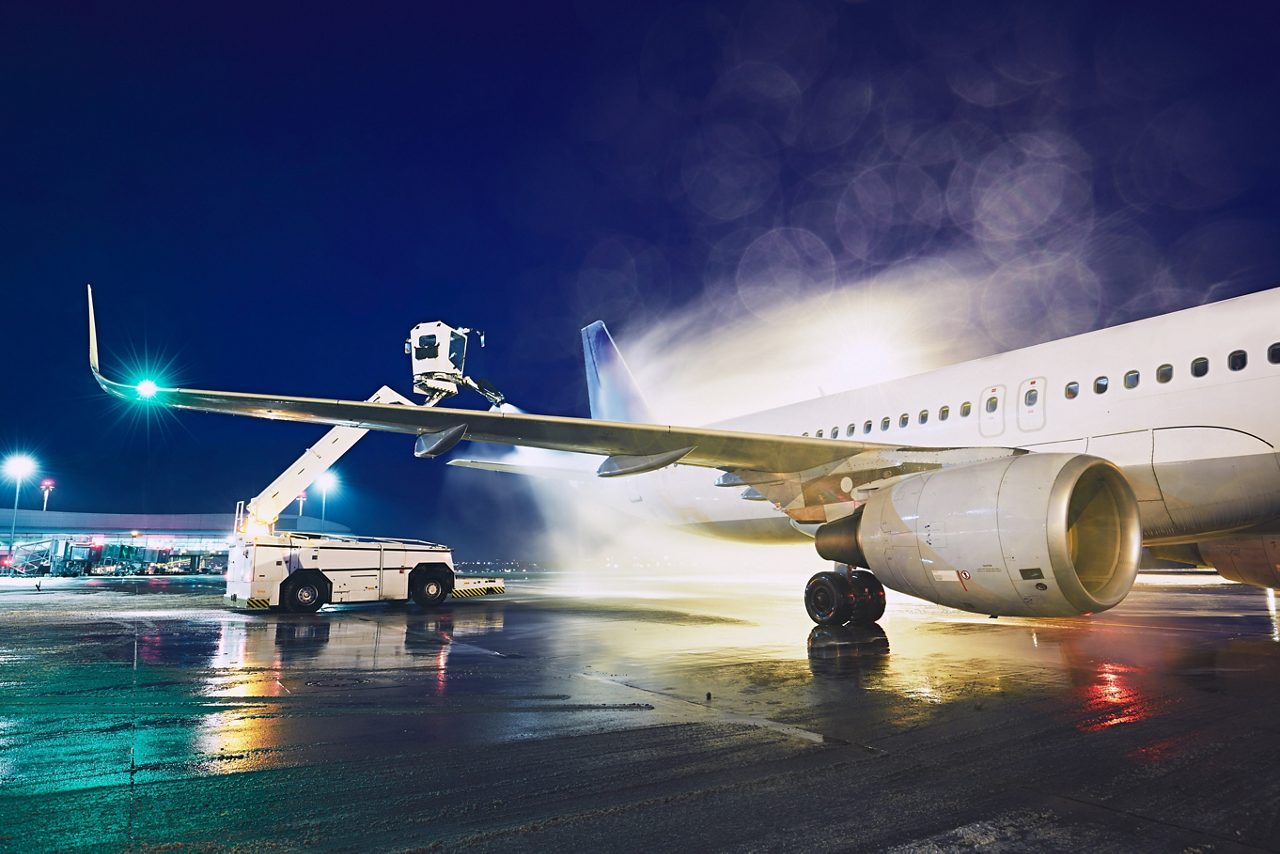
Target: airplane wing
x,y
630,448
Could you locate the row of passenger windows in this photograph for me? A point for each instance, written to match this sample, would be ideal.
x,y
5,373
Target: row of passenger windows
x,y
944,412
1236,361
1199,367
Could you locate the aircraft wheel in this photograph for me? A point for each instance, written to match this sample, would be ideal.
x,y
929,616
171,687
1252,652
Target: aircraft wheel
x,y
303,593
866,597
430,585
826,598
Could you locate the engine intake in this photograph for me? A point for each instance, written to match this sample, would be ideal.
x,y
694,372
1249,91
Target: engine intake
x,y
1039,535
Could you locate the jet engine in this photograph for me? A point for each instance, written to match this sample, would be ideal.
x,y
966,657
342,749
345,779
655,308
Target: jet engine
x,y
1036,535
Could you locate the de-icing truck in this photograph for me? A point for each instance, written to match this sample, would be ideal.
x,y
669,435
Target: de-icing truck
x,y
302,572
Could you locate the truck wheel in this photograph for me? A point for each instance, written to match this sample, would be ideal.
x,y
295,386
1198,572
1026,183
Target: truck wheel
x,y
826,598
302,593
430,585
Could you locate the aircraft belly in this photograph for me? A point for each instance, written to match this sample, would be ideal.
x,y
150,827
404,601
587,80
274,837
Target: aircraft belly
x,y
1222,494
1215,479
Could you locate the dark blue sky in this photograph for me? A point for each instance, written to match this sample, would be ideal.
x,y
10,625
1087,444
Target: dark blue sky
x,y
266,197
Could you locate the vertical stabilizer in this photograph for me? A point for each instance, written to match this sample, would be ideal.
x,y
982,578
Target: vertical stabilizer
x,y
612,390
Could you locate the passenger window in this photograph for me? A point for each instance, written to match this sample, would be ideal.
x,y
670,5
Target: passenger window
x,y
1164,373
965,409
944,413
835,432
1200,367
924,416
993,403
904,419
866,427
1131,379
1072,390
818,435
1273,353
1237,360
1100,385
851,429
1031,397
804,434
884,423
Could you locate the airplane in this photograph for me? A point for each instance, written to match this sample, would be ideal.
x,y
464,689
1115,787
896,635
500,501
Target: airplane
x,y
1021,484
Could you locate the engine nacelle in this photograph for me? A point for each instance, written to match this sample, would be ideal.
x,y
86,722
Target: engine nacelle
x,y
1035,535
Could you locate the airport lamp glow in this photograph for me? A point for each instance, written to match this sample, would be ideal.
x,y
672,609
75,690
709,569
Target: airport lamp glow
x,y
46,486
17,468
147,389
325,482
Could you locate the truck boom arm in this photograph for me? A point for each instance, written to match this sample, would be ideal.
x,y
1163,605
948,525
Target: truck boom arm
x,y
265,508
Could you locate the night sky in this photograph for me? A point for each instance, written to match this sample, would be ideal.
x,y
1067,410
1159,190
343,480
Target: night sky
x,y
266,197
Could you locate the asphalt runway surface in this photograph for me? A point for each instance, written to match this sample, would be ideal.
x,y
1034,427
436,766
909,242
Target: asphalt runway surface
x,y
657,712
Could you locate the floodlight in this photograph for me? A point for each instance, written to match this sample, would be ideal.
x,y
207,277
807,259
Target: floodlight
x,y
19,467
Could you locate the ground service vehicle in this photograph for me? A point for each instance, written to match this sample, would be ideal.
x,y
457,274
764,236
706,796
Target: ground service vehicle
x,y
302,572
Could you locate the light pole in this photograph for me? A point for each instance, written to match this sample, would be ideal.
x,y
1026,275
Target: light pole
x,y
17,468
326,481
302,496
46,486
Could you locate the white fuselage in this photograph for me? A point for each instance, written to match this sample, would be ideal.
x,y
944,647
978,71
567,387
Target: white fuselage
x,y
1198,450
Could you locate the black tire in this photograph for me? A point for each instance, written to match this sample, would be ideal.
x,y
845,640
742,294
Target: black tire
x,y
866,597
826,598
304,593
430,584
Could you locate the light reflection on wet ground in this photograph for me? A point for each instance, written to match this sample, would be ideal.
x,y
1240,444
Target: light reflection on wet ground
x,y
724,720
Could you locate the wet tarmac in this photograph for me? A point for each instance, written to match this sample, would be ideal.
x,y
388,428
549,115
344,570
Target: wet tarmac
x,y
651,713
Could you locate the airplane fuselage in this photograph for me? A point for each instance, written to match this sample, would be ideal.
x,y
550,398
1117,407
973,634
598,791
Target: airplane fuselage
x,y
1186,404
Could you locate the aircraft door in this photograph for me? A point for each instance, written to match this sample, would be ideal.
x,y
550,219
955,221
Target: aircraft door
x,y
991,411
1030,404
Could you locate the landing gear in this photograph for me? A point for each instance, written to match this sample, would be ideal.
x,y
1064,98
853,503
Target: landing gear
x,y
826,598
850,595
866,597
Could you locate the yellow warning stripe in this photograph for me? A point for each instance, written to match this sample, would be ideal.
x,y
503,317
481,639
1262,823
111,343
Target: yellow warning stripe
x,y
486,590
257,603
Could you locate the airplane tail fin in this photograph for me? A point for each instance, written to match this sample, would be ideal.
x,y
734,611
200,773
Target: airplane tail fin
x,y
611,388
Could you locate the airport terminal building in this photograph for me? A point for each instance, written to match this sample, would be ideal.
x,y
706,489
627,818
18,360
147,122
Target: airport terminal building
x,y
70,543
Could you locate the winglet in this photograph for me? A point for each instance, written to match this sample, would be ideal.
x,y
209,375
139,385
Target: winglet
x,y
93,336
110,386
611,388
